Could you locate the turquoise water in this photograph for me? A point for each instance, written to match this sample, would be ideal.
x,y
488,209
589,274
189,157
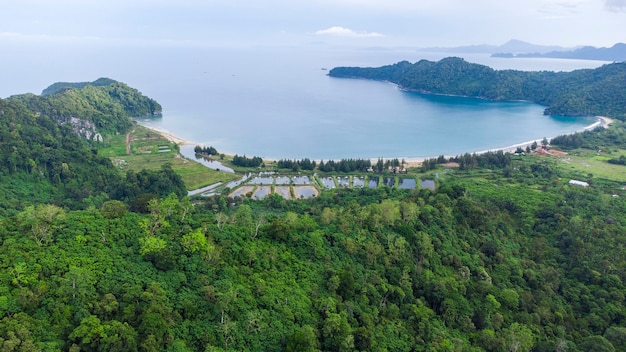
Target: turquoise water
x,y
277,107
278,102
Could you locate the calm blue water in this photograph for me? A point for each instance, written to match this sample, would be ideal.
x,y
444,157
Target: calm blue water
x,y
277,106
279,103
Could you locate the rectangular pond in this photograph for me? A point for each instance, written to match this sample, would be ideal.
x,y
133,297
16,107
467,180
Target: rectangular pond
x,y
389,181
262,192
328,182
283,180
305,192
428,184
343,181
261,180
373,182
301,180
407,183
358,181
284,191
241,192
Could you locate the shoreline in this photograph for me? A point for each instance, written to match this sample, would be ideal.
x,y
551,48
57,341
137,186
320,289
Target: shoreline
x,y
601,121
169,136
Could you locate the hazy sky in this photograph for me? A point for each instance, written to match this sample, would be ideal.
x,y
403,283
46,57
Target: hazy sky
x,y
419,23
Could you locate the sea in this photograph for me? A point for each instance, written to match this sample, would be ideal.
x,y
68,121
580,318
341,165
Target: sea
x,y
279,102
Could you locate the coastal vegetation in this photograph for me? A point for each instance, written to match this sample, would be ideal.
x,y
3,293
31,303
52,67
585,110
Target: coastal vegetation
x,y
205,150
587,92
244,161
296,165
505,254
142,148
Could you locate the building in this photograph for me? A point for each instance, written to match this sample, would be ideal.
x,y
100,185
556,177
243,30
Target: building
x,y
578,183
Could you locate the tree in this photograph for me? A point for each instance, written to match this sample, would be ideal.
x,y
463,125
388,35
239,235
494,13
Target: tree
x,y
42,221
89,333
519,338
118,337
337,333
596,343
305,340
113,209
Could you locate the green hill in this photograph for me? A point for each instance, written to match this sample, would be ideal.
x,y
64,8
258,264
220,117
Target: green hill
x,y
505,254
58,86
49,144
587,92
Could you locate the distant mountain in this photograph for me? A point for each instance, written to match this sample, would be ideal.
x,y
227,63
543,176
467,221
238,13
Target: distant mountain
x,y
513,46
615,53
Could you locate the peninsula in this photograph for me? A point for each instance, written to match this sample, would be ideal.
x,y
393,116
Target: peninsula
x,y
586,92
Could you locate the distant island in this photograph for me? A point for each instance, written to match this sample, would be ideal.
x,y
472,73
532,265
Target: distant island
x,y
615,53
519,48
512,46
587,92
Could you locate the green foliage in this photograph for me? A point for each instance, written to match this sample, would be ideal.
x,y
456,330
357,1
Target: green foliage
x,y
48,159
587,92
244,161
59,86
113,209
296,165
484,263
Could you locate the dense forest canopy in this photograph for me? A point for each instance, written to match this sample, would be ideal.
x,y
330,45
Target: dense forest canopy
x,y
58,86
48,148
504,255
587,92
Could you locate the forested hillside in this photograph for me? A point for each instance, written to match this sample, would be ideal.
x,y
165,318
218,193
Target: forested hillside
x,y
504,255
489,267
48,148
587,92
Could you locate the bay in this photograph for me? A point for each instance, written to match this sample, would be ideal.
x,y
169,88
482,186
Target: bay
x,y
278,102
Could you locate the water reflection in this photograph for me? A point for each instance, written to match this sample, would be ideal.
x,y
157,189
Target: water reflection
x,y
301,180
188,152
305,192
373,182
407,183
428,184
262,192
300,187
283,180
343,182
261,181
358,182
284,191
328,182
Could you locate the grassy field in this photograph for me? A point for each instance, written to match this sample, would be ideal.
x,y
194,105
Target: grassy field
x,y
587,162
149,150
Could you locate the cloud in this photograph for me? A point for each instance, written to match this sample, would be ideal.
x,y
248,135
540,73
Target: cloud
x,y
347,32
615,5
558,8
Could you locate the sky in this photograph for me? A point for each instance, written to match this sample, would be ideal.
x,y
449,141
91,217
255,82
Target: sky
x,y
412,23
45,41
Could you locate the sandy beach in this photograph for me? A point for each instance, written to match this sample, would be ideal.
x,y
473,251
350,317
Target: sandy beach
x,y
171,137
602,121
